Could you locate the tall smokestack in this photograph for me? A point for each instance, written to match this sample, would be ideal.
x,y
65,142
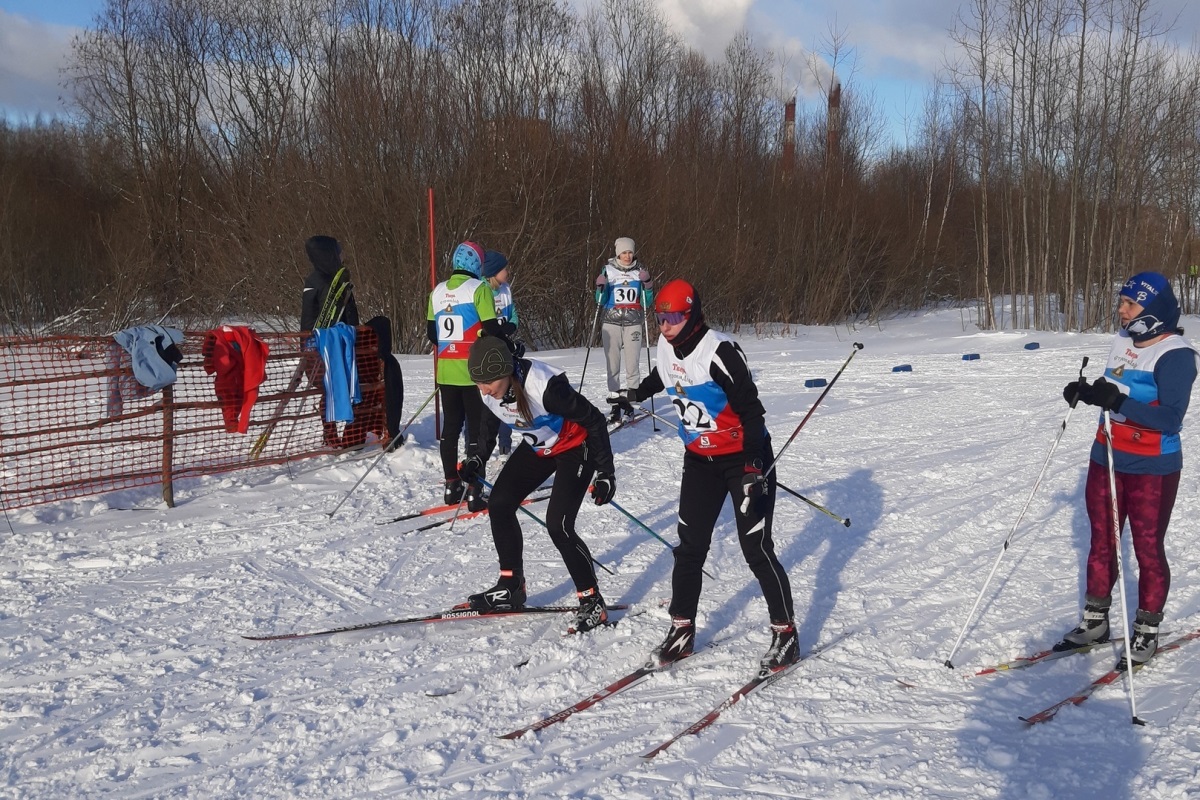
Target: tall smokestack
x,y
833,130
789,137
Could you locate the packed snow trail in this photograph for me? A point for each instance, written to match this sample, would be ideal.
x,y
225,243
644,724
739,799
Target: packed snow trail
x,y
125,675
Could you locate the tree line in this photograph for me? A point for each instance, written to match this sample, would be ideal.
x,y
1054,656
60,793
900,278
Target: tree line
x,y
1057,154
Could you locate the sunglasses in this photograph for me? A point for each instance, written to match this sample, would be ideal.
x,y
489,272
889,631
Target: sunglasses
x,y
671,317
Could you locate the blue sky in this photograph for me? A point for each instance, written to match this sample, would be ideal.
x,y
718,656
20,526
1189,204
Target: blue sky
x,y
897,45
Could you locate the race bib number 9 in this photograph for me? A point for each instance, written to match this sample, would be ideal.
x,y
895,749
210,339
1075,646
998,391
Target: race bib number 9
x,y
450,328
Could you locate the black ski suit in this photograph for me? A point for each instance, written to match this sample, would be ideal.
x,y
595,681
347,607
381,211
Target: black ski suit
x,y
708,479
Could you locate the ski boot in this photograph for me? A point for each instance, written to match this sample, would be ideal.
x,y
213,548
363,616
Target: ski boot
x,y
614,416
784,649
454,491
592,612
507,595
678,644
1092,629
476,499
1144,643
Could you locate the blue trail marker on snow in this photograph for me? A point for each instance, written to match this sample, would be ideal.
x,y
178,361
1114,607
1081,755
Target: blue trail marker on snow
x,y
970,356
1032,346
902,368
814,382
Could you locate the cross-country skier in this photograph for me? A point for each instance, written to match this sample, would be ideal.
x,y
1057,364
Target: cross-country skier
x,y
461,309
1146,387
563,435
624,290
726,447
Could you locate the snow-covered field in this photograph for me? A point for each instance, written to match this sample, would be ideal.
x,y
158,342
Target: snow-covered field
x,y
124,672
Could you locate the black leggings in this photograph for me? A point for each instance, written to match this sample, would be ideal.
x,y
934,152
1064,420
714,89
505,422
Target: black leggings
x,y
524,472
458,403
702,493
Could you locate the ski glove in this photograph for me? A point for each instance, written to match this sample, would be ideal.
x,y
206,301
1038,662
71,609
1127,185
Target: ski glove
x,y
603,488
754,485
621,400
470,469
1073,391
1102,394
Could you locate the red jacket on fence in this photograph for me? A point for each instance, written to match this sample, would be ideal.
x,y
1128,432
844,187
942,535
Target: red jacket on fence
x,y
239,359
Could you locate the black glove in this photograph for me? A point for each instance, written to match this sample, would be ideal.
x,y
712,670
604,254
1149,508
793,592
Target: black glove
x,y
1102,394
470,469
621,400
1073,391
603,488
754,485
515,346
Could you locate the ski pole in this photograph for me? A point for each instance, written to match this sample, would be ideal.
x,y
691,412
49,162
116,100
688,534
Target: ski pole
x,y
1004,547
542,522
458,509
649,367
857,346
650,531
1112,492
844,520
382,453
588,353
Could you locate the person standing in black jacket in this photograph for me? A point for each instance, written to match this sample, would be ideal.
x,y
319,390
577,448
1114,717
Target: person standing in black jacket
x,y
325,253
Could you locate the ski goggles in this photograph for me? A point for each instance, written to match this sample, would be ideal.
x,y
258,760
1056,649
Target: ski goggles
x,y
671,317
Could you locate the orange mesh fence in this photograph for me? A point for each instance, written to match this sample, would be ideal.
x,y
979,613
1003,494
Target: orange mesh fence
x,y
74,421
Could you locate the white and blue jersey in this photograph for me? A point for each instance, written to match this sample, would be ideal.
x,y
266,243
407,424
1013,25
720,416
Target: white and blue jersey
x,y
1146,433
548,434
505,308
708,424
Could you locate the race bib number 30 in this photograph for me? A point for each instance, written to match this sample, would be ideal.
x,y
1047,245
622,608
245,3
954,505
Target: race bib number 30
x,y
625,295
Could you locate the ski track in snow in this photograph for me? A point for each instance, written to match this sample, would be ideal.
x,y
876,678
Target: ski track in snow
x,y
125,673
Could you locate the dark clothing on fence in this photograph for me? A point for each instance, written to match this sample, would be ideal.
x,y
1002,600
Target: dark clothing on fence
x,y
393,378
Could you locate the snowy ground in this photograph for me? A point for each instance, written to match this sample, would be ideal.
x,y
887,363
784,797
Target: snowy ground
x,y
124,672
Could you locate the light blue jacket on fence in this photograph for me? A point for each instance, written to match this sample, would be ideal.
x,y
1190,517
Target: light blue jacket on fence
x,y
146,345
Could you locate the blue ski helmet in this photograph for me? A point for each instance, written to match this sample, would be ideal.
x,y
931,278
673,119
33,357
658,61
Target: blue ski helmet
x,y
468,257
1160,310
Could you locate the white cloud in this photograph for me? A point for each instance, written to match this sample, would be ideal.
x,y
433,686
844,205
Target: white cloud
x,y
32,56
708,26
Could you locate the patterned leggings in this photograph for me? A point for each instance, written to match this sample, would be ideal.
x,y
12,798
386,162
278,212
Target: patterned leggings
x,y
1146,501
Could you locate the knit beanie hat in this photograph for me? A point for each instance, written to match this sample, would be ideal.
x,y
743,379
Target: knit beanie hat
x,y
489,360
1160,310
625,243
468,257
493,263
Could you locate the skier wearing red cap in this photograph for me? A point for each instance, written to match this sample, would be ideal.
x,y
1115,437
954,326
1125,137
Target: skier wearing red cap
x,y
726,449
